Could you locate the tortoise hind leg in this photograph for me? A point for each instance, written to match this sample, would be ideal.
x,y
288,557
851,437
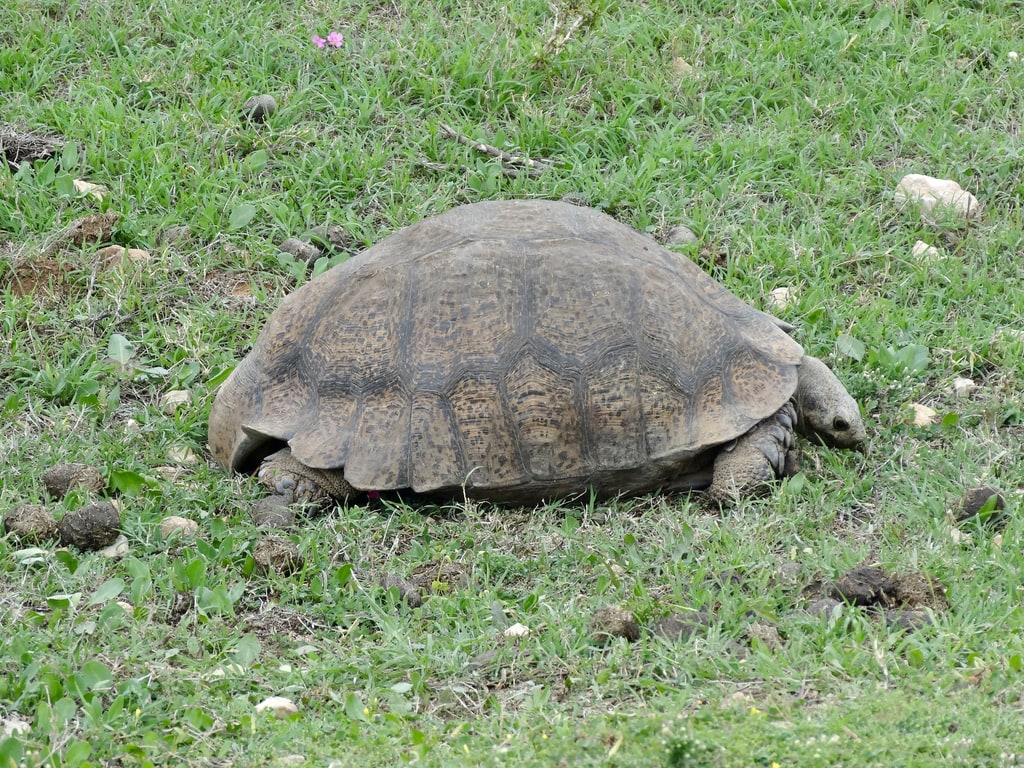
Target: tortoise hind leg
x,y
283,474
755,459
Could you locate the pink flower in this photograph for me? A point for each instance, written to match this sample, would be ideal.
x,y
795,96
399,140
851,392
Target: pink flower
x,y
335,39
318,41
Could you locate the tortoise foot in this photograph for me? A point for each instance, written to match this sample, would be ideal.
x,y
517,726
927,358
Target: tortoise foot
x,y
283,475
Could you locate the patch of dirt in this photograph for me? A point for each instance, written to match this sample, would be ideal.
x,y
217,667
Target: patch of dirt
x,y
680,627
271,622
439,577
43,273
27,146
607,624
41,276
179,608
276,554
905,600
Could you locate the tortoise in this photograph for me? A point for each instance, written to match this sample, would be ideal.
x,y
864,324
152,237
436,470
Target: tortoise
x,y
520,351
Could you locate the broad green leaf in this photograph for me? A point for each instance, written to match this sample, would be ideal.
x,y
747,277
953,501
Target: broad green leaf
x,y
107,591
65,186
354,708
851,347
880,21
247,651
69,158
257,161
195,572
127,482
119,349
64,601
65,557
95,676
241,216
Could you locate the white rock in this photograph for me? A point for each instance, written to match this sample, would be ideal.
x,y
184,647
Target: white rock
x,y
922,250
181,454
83,187
116,255
963,387
278,706
1013,56
171,400
13,725
171,472
780,298
181,526
517,630
680,235
118,549
682,66
923,415
930,193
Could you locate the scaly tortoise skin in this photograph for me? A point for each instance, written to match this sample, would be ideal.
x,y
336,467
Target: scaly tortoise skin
x,y
520,351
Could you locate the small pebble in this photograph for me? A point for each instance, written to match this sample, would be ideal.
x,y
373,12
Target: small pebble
x,y
273,512
975,499
679,236
278,706
300,250
180,526
922,250
259,108
962,387
407,591
170,401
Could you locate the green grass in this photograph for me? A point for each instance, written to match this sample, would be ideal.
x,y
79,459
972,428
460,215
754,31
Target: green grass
x,y
781,152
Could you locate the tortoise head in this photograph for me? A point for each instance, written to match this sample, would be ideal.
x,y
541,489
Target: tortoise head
x,y
824,409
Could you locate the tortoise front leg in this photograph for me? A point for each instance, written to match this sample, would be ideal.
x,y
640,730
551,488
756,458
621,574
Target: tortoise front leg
x,y
283,474
755,459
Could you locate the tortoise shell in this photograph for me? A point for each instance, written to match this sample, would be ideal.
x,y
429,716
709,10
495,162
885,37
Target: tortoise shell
x,y
517,350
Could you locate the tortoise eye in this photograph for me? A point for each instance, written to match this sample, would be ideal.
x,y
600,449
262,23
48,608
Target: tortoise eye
x,y
840,425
